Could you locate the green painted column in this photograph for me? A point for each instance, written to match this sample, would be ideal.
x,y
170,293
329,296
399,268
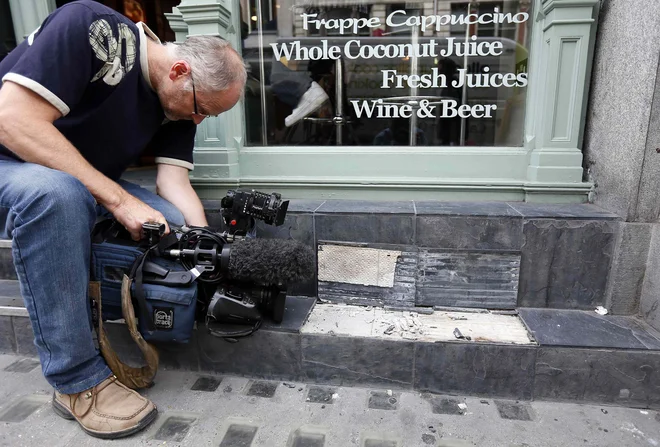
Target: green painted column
x,y
27,15
180,28
219,140
561,55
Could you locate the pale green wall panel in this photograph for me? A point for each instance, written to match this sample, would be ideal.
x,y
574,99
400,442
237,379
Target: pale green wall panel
x,y
547,169
27,15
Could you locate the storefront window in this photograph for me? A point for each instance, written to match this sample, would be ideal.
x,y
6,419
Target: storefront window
x,y
343,72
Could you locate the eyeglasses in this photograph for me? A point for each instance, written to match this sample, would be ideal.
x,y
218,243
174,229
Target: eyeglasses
x,y
195,98
195,111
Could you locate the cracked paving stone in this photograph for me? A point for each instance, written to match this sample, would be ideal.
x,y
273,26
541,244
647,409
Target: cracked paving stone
x,y
441,405
515,411
380,400
302,439
320,395
262,389
23,408
22,365
206,384
239,436
175,428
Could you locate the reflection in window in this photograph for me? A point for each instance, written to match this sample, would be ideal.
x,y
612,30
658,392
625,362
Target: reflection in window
x,y
317,78
267,19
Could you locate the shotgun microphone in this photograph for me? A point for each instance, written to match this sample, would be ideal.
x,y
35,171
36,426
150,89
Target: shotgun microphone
x,y
270,261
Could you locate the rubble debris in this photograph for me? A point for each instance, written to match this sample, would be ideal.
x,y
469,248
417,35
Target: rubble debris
x,y
335,396
425,310
463,407
389,392
460,336
600,310
406,325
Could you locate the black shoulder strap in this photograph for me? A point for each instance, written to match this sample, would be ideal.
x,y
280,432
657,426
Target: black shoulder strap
x,y
136,275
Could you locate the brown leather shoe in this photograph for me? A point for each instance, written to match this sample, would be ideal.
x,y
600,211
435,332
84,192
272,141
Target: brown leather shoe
x,y
108,411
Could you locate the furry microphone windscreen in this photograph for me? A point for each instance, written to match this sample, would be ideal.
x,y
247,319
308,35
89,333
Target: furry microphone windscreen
x,y
271,261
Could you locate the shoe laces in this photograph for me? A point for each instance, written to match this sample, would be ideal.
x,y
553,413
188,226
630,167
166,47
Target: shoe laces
x,y
91,394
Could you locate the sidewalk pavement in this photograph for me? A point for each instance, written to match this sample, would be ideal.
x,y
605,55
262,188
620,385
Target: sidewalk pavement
x,y
200,410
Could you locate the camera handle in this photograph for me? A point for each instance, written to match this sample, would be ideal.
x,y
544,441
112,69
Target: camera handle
x,y
164,277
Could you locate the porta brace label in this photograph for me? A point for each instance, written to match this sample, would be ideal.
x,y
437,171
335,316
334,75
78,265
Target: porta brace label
x,y
163,318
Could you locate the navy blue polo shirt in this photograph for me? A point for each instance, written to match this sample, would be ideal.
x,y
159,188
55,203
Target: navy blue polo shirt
x,y
90,62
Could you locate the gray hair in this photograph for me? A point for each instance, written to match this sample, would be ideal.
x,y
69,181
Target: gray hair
x,y
216,65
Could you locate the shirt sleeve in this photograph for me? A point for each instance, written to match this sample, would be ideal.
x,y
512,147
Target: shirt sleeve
x,y
59,61
174,143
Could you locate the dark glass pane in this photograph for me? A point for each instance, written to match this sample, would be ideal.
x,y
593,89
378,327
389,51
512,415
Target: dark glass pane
x,y
439,73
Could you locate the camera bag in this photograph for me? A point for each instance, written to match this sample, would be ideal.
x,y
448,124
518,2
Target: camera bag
x,y
165,313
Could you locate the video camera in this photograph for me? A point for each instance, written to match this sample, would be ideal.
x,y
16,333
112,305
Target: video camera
x,y
244,279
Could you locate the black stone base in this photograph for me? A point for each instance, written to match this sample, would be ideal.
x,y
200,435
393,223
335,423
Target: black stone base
x,y
494,255
587,329
627,377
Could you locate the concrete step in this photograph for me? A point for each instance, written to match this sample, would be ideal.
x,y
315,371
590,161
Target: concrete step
x,y
531,354
198,409
11,302
6,263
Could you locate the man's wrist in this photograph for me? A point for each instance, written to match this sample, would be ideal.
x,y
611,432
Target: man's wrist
x,y
111,196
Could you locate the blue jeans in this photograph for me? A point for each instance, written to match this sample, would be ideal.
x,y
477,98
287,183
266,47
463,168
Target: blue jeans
x,y
49,215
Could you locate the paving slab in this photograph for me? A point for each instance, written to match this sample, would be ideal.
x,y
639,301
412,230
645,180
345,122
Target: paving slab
x,y
233,415
587,329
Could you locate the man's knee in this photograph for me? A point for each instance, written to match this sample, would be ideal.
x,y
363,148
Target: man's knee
x,y
173,215
56,192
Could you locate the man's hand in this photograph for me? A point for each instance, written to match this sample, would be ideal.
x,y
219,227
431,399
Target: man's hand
x,y
132,213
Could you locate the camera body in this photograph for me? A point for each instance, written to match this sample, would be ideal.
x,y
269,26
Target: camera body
x,y
241,207
225,300
244,303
